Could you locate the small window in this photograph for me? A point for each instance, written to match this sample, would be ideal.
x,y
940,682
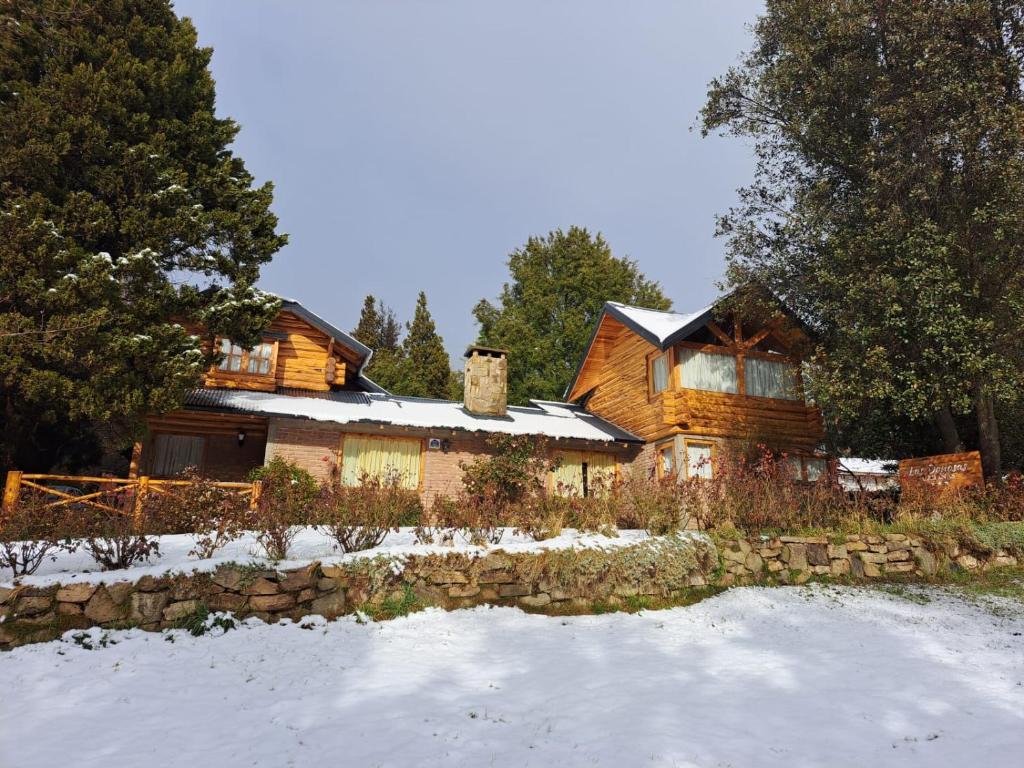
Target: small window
x,y
698,459
666,461
232,356
814,468
258,361
659,373
259,358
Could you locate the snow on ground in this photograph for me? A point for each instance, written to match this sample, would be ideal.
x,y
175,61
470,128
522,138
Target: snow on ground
x,y
804,676
309,545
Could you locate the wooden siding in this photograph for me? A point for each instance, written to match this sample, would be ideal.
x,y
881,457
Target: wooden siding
x,y
300,360
617,372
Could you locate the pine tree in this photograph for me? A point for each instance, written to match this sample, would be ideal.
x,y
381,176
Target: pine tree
x,y
379,329
427,368
125,219
888,203
547,312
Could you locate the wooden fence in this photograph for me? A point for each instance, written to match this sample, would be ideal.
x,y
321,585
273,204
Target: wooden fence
x,y
130,489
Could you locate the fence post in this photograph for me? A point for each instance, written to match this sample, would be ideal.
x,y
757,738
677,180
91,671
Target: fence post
x,y
254,497
140,492
11,489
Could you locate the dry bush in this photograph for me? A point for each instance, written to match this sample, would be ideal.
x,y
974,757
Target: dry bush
x,y
656,506
30,532
360,517
288,500
214,516
543,515
117,540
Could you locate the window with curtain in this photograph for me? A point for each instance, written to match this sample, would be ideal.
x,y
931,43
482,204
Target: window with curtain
x,y
770,378
259,359
709,371
666,460
173,454
659,373
232,356
698,460
815,468
583,474
381,458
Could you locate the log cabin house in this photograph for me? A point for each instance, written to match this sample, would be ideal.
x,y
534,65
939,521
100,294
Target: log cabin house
x,y
659,390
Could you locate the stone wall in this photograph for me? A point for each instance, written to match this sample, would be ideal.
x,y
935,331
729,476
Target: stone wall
x,y
555,580
795,559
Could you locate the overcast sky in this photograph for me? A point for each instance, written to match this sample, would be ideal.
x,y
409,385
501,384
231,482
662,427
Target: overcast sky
x,y
413,145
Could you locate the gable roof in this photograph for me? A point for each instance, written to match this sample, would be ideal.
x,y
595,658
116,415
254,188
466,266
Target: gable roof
x,y
555,420
362,351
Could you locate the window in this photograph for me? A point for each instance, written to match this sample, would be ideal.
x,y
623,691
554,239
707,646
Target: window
x,y
232,356
796,467
815,468
710,371
698,459
659,373
258,361
771,378
173,454
583,474
381,458
666,460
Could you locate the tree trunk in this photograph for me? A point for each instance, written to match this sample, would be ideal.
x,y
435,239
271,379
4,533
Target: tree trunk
x,y
988,434
951,442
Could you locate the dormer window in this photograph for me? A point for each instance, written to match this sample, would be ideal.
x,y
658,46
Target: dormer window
x,y
258,361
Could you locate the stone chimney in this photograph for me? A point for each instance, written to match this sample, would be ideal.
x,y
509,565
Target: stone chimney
x,y
486,381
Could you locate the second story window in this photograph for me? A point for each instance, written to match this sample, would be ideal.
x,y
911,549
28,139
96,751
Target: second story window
x,y
258,361
232,356
710,371
771,378
659,373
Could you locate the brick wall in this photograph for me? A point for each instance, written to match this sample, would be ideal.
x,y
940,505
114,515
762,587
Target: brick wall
x,y
309,443
228,461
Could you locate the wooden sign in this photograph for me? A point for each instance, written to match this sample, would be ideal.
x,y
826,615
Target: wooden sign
x,y
950,470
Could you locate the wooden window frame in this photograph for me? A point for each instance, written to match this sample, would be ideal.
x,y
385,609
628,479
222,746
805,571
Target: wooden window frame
x,y
702,441
243,372
670,379
741,378
659,449
378,436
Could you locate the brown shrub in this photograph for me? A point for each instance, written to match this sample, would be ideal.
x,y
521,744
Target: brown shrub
x,y
32,531
360,517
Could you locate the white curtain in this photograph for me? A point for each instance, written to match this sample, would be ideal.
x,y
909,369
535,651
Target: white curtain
x,y
659,374
698,460
707,370
173,454
770,378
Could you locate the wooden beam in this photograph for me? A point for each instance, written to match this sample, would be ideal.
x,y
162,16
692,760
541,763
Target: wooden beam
x,y
722,335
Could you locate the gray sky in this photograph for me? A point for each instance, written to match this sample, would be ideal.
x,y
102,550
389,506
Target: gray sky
x,y
415,144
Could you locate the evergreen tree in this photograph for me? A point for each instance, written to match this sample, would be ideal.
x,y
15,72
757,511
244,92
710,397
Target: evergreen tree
x,y
547,312
426,367
379,329
125,219
888,203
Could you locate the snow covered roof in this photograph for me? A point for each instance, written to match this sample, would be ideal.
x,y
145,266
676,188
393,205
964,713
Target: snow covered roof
x,y
555,420
857,466
660,328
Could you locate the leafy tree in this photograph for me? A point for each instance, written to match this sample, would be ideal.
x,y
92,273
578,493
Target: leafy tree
x,y
125,219
379,329
888,203
547,312
427,371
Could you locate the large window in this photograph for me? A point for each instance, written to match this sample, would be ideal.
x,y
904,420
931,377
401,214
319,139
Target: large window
x,y
770,378
659,373
710,371
258,361
583,474
381,458
699,455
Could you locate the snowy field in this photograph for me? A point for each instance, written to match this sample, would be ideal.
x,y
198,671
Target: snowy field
x,y
805,676
309,545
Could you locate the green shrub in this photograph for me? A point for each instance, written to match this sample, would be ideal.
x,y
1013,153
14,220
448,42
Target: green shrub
x,y
287,500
